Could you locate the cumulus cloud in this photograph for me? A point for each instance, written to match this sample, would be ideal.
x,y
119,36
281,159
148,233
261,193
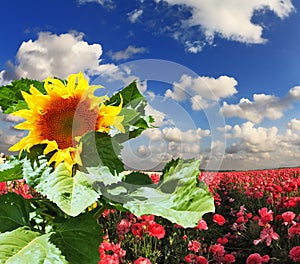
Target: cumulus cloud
x,y
171,142
134,15
57,55
262,106
261,147
230,19
202,90
127,53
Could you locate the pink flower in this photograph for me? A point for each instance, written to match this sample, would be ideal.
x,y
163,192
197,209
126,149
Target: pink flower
x,y
265,216
288,218
123,227
142,260
267,234
202,225
219,219
156,230
194,245
295,254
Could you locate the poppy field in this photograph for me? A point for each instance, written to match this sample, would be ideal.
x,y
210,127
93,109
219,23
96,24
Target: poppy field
x,y
257,220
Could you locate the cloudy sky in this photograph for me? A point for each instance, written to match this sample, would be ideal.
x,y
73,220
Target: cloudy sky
x,y
222,77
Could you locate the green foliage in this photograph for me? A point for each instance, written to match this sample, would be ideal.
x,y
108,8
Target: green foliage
x,y
178,198
78,239
71,194
138,178
101,149
134,103
33,171
14,212
25,246
11,170
11,98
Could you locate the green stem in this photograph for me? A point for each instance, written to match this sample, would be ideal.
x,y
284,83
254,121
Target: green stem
x,y
99,212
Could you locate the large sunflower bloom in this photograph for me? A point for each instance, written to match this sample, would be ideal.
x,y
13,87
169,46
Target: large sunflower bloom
x,y
60,117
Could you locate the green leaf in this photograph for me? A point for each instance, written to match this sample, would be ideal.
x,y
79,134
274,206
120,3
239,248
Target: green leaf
x,y
101,149
71,194
14,212
78,239
25,246
178,197
134,103
138,178
11,170
130,94
34,170
11,98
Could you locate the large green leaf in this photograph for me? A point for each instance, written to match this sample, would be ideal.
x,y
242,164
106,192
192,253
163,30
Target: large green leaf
x,y
101,149
71,194
11,170
34,170
11,98
179,197
14,212
27,247
78,239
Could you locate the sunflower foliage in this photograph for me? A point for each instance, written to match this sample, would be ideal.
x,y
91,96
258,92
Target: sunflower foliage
x,y
69,187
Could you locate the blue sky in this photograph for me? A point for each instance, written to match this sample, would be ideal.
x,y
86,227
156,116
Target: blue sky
x,y
222,78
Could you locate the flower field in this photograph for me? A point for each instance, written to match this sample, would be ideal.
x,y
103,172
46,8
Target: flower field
x,y
257,220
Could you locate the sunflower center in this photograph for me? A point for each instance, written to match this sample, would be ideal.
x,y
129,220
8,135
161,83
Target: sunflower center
x,y
66,119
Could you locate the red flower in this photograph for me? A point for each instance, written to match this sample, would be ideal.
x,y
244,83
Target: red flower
x,y
222,240
295,254
155,178
194,245
254,259
147,218
217,250
201,260
137,229
142,260
123,227
288,218
265,258
202,225
219,219
229,258
265,216
156,230
294,230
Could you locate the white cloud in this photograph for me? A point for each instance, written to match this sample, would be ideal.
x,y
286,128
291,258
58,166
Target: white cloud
x,y
134,15
294,125
262,106
202,90
3,80
57,55
231,19
158,116
127,53
105,3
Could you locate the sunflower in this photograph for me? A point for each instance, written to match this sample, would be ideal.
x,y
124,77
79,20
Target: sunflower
x,y
62,116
